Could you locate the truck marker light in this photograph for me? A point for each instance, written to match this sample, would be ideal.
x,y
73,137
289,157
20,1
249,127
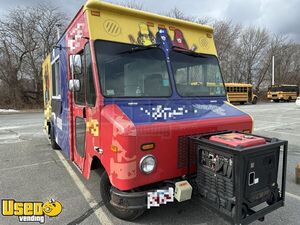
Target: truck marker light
x,y
150,24
95,13
147,146
114,148
171,28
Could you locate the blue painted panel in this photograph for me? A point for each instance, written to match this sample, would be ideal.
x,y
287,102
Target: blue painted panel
x,y
142,111
61,122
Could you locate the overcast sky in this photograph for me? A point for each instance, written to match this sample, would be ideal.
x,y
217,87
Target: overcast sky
x,y
279,16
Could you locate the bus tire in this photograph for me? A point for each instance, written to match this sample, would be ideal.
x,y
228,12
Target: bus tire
x,y
242,103
276,100
254,101
54,145
123,214
289,99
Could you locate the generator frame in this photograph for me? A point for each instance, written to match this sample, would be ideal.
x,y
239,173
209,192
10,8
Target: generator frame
x,y
238,171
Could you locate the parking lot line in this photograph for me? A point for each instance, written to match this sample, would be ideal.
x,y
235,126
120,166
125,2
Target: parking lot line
x,y
25,166
275,126
19,127
99,213
293,196
285,133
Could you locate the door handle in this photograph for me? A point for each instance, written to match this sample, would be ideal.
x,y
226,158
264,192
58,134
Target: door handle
x,y
84,112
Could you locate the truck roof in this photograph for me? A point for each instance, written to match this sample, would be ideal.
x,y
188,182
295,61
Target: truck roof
x,y
104,21
98,4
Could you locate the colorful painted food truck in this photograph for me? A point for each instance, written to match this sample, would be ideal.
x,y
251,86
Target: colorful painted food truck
x,y
123,97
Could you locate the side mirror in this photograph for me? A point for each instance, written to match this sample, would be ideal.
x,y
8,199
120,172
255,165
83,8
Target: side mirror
x,y
74,85
76,64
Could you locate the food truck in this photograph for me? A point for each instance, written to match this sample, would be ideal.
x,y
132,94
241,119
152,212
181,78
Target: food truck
x,y
123,98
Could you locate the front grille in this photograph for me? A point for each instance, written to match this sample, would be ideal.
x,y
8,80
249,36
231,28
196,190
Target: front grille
x,y
182,153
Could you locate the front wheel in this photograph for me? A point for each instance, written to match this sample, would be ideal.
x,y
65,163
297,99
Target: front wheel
x,y
124,214
254,101
54,145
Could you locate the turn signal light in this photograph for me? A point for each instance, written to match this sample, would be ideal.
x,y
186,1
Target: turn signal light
x,y
114,148
147,146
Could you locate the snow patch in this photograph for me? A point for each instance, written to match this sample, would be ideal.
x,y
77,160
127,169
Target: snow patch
x,y
8,110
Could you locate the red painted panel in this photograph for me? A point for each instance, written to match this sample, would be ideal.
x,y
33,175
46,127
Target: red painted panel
x,y
121,160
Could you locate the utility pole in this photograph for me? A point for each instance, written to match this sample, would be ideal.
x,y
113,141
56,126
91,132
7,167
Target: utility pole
x,y
58,25
273,70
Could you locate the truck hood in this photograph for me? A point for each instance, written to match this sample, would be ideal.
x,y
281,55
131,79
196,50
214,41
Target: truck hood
x,y
152,111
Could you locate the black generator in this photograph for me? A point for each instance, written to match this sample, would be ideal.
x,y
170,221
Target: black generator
x,y
237,174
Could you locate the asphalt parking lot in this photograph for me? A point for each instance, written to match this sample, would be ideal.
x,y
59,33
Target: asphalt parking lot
x,y
31,171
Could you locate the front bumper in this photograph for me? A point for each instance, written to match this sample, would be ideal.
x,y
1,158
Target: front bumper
x,y
163,193
128,200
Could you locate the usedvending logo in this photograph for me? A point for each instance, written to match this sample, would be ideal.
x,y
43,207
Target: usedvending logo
x,y
31,211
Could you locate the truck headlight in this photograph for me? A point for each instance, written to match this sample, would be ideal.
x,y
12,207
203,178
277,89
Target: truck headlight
x,y
148,164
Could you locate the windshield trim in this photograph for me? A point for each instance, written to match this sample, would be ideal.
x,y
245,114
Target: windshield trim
x,y
133,97
198,96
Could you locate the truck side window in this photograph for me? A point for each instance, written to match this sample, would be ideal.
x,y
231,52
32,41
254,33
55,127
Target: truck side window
x,y
56,89
80,95
90,88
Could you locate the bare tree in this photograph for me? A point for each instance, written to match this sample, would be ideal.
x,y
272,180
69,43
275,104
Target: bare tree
x,y
226,37
287,61
252,50
45,26
178,14
132,4
16,43
27,35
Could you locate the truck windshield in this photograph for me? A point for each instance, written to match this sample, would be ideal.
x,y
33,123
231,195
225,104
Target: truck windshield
x,y
132,71
196,74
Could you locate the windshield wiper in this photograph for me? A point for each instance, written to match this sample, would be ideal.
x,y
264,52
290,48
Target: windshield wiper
x,y
188,52
140,48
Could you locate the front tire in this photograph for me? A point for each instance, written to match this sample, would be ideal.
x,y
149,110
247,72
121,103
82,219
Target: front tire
x,y
254,101
124,214
54,145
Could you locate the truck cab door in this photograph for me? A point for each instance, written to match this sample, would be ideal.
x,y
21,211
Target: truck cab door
x,y
84,102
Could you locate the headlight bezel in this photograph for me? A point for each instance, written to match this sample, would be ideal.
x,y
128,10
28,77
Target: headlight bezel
x,y
142,161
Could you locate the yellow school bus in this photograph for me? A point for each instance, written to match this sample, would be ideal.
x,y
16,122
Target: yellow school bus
x,y
283,92
240,93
